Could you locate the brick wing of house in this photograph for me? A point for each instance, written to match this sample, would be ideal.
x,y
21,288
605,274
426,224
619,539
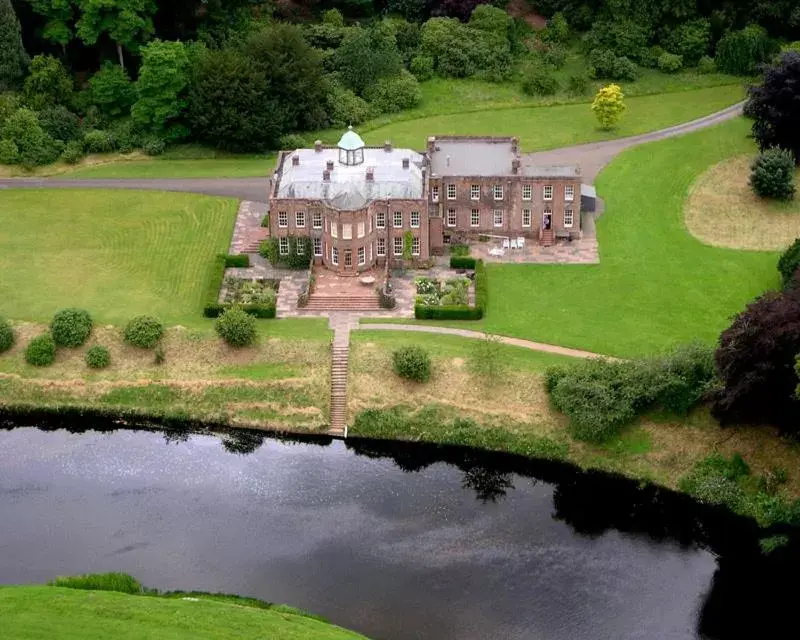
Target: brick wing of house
x,y
359,204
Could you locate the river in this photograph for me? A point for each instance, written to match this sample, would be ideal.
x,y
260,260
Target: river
x,y
394,541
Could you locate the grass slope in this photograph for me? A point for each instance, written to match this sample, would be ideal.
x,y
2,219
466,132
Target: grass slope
x,y
465,107
540,127
116,253
32,613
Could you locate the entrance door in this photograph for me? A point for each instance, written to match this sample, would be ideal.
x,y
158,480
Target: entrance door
x,y
547,221
348,259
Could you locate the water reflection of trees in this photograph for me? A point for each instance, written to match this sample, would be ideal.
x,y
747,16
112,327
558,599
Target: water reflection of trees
x,y
751,594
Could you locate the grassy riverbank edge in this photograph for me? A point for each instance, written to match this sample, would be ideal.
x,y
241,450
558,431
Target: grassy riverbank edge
x,y
42,611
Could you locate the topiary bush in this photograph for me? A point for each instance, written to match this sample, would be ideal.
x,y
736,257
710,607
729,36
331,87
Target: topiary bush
x,y
144,332
789,263
6,335
539,82
71,327
236,327
412,363
772,174
41,351
706,65
670,62
98,357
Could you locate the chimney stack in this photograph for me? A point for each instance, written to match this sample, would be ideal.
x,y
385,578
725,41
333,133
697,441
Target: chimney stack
x,y
514,144
387,146
370,174
318,146
295,160
406,163
448,160
431,145
329,165
515,164
326,176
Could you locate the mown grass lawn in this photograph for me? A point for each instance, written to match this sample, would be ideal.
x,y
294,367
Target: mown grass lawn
x,y
36,612
115,253
656,285
465,107
541,127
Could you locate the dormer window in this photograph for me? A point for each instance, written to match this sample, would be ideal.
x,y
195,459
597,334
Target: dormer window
x,y
351,148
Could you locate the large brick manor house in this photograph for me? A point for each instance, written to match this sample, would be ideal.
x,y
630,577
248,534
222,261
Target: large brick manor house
x,y
357,203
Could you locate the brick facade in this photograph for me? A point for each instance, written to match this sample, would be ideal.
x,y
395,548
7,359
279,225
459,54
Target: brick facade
x,y
451,208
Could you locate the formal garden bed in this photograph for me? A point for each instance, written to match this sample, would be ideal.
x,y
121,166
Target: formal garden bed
x,y
453,298
249,291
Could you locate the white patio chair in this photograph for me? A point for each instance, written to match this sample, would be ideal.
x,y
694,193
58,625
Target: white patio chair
x,y
506,243
521,242
513,243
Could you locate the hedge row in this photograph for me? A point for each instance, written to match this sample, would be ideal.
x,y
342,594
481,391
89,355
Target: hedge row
x,y
237,261
461,312
263,311
462,262
213,309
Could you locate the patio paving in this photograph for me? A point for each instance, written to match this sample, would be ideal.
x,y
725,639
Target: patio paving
x,y
583,251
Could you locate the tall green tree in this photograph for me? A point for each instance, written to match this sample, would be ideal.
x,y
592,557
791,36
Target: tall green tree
x,y
161,88
60,16
129,23
366,56
13,58
47,85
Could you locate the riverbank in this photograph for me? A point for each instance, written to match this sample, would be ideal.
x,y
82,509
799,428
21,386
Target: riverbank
x,y
282,385
73,613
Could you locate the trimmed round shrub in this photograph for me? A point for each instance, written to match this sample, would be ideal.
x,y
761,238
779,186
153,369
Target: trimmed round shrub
x,y
98,357
625,69
772,174
236,327
539,82
41,351
144,332
154,146
706,65
421,67
6,335
605,64
71,327
412,363
73,152
788,264
670,62
98,141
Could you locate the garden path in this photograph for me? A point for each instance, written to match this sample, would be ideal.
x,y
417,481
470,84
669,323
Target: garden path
x,y
466,333
591,157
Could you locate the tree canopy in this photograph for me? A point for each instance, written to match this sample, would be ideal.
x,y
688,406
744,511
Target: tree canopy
x,y
13,58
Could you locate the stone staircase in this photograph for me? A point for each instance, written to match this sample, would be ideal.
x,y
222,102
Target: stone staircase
x,y
340,356
548,238
367,301
253,240
339,363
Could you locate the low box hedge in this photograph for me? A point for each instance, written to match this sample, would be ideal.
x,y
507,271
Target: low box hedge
x,y
212,308
237,261
262,311
461,312
462,262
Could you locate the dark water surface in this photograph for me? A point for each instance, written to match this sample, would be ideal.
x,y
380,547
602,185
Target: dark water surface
x,y
395,542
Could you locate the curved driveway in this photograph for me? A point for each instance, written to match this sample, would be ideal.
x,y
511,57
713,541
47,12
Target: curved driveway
x,y
592,157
